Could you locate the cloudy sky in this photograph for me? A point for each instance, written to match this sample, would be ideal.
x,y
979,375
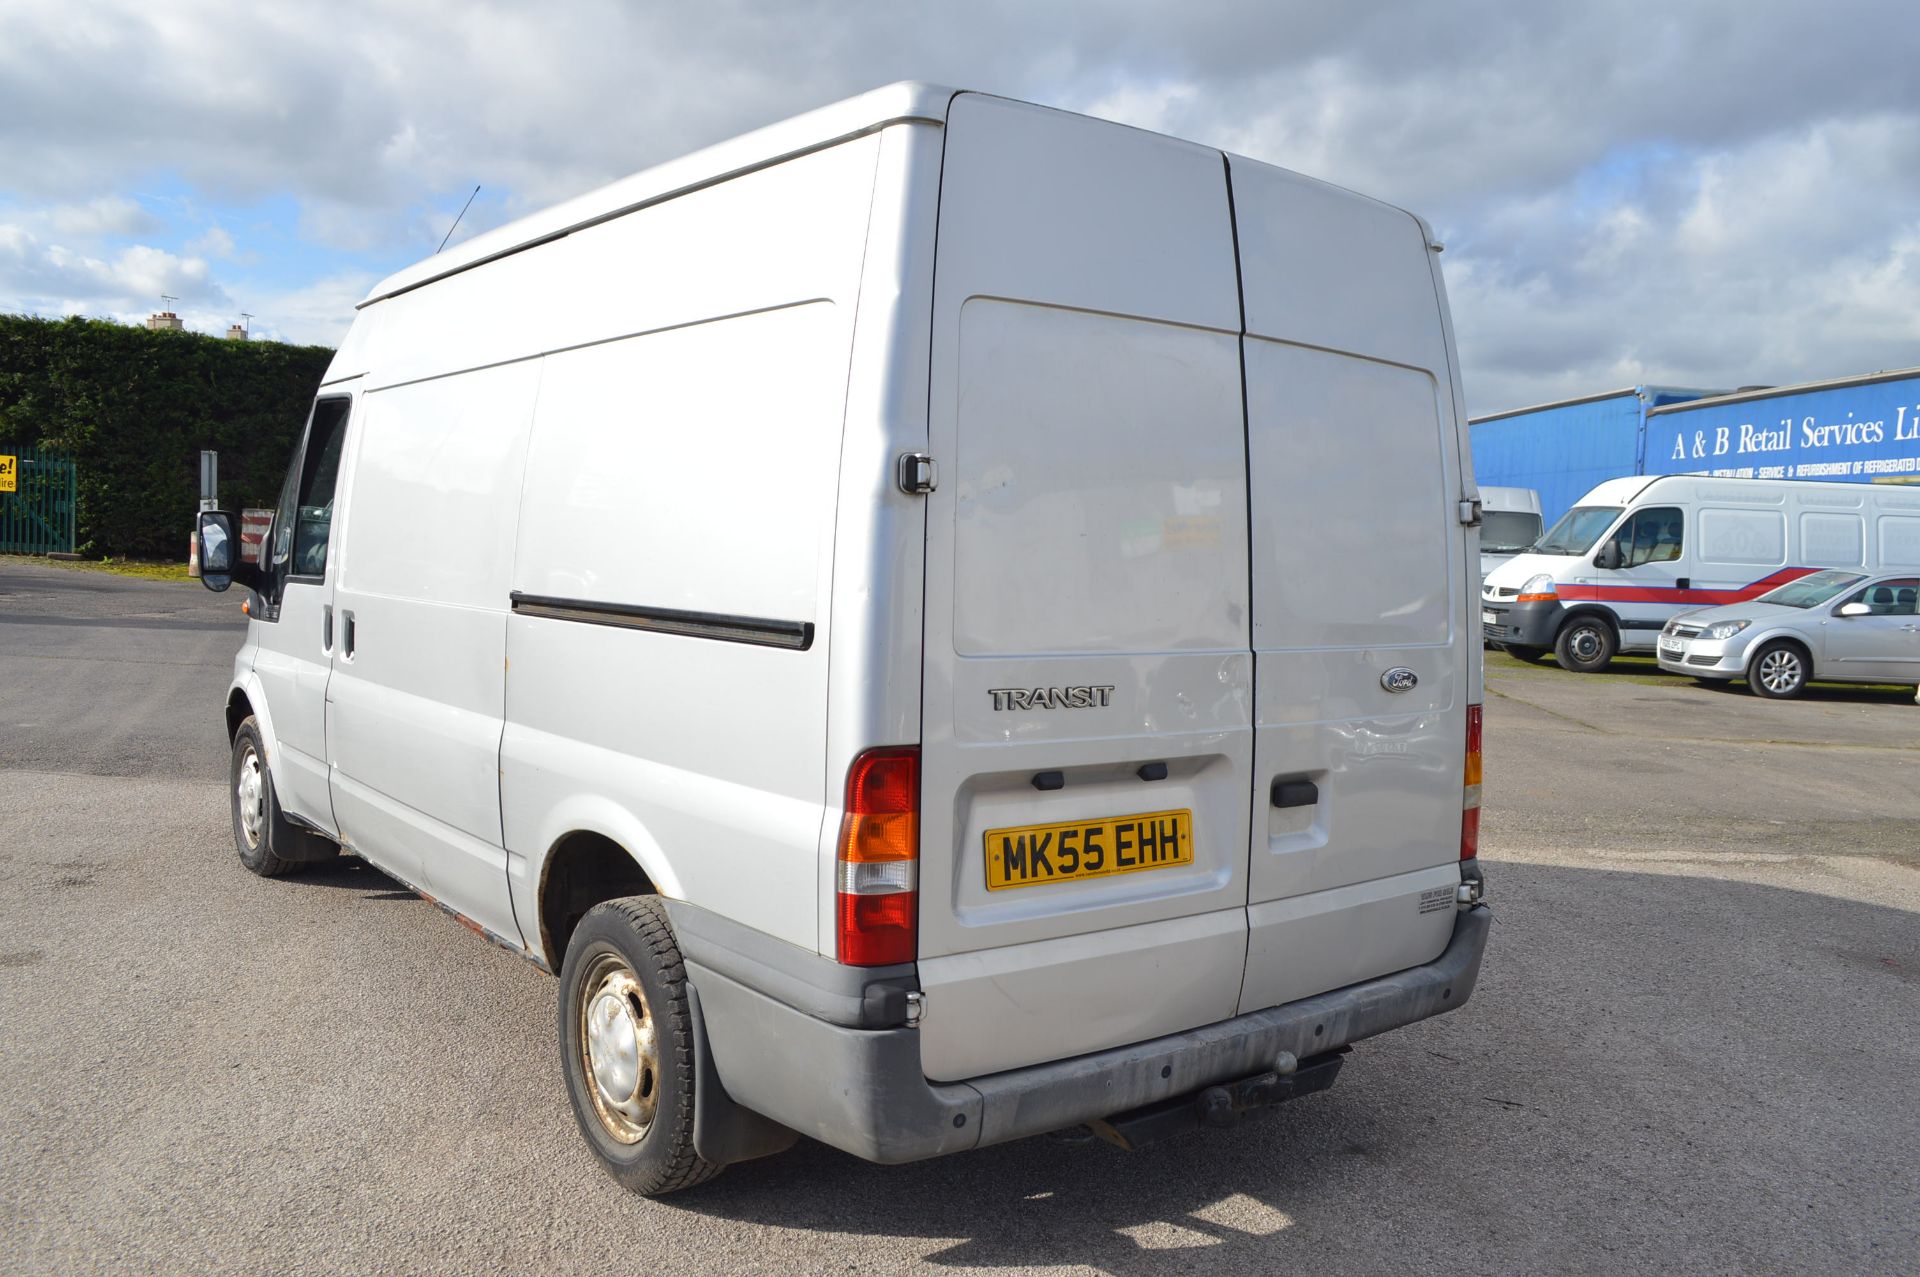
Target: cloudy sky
x,y
1687,192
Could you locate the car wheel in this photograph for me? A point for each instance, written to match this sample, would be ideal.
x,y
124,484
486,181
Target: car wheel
x,y
261,831
626,1046
1586,645
1778,671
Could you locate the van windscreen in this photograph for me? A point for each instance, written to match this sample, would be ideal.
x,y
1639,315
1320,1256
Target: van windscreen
x,y
1577,530
1504,530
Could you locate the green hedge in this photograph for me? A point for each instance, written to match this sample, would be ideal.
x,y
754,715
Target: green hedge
x,y
134,409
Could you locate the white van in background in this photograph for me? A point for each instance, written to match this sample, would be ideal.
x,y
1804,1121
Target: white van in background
x,y
853,602
1510,523
1634,552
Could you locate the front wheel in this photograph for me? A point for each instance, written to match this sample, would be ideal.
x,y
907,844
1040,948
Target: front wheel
x,y
261,831
1586,645
626,1046
1778,671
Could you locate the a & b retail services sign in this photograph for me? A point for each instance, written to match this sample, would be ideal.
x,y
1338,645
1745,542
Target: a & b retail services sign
x,y
1862,433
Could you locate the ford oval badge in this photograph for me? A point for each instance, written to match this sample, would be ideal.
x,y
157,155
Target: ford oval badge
x,y
1399,679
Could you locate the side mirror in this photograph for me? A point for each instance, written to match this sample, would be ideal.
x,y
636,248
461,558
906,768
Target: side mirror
x,y
219,549
1609,556
1854,609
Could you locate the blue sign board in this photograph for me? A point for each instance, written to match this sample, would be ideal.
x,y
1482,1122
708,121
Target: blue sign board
x,y
1864,432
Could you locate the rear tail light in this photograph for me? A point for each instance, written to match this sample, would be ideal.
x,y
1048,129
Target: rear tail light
x,y
879,859
1470,794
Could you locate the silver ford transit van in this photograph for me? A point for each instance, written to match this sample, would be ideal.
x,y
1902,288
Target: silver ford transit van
x,y
856,603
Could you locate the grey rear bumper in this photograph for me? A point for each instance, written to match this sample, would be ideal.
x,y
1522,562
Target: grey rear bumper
x,y
861,1090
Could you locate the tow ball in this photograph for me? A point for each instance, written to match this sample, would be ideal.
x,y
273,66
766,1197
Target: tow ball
x,y
1224,1103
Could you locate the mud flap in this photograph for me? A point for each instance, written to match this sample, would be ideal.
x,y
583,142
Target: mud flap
x,y
724,1132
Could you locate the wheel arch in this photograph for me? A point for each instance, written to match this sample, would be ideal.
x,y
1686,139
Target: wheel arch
x,y
1598,610
579,869
1791,639
247,698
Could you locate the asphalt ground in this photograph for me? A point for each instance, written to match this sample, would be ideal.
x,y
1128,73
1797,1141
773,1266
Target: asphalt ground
x,y
1694,1047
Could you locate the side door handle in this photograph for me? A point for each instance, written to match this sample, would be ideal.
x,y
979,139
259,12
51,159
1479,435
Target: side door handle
x,y
1295,793
326,628
347,634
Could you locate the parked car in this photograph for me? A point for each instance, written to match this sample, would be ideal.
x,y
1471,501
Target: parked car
x,y
853,603
1634,553
1847,627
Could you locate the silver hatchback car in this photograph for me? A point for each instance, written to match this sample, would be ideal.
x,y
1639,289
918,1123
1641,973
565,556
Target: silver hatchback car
x,y
1850,627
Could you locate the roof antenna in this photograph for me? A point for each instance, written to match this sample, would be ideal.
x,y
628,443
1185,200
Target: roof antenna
x,y
167,299
456,221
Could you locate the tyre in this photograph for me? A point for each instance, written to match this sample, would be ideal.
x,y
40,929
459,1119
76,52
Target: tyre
x,y
1529,654
1585,645
1778,671
626,1046
269,844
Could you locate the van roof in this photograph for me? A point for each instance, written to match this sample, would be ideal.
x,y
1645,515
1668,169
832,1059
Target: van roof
x,y
815,130
898,103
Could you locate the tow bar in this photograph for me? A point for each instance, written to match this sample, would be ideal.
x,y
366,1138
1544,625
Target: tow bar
x,y
1224,1103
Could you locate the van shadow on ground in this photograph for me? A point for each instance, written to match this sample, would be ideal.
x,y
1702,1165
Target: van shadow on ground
x,y
1655,1071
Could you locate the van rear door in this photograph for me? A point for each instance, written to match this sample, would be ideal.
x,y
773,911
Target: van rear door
x,y
1359,572
1086,732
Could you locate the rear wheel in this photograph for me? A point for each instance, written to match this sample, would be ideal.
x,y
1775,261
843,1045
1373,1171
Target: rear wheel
x,y
1586,645
1778,671
626,1046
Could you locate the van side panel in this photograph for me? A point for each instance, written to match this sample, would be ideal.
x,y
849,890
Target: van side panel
x,y
1359,567
688,466
1089,532
414,713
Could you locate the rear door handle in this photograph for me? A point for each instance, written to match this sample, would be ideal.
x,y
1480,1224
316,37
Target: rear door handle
x,y
1295,793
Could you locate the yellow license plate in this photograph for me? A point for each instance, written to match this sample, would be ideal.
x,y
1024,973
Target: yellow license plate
x,y
1028,855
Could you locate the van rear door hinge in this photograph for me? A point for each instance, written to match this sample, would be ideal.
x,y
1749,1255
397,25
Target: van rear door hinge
x,y
916,474
1470,512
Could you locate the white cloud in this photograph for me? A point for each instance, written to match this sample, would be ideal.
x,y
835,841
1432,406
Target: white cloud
x,y
50,278
316,315
213,242
1709,192
107,215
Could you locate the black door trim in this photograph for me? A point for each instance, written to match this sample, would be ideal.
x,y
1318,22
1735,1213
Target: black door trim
x,y
793,635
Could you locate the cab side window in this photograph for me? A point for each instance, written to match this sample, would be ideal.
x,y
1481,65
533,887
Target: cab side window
x,y
303,521
1653,535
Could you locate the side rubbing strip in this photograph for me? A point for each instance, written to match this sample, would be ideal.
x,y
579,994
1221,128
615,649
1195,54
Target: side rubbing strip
x,y
795,635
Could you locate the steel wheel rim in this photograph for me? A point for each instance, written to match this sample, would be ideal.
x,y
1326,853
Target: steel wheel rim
x,y
1586,643
619,1052
1780,671
250,797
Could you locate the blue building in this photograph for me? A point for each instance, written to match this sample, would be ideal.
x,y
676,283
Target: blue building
x,y
1561,450
1856,429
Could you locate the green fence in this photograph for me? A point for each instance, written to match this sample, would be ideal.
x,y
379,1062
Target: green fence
x,y
37,516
